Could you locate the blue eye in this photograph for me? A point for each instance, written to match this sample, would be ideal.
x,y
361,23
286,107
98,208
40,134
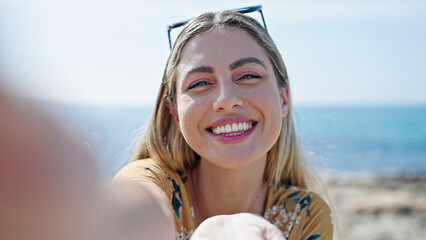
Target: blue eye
x,y
199,84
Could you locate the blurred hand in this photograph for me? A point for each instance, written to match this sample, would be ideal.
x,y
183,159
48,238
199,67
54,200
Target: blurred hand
x,y
240,226
50,190
47,177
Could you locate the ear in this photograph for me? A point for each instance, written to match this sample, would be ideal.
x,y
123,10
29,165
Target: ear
x,y
284,94
174,113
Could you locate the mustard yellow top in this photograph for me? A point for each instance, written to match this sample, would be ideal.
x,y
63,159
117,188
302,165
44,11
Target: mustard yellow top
x,y
299,214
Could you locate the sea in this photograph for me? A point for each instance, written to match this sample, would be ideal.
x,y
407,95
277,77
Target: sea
x,y
381,141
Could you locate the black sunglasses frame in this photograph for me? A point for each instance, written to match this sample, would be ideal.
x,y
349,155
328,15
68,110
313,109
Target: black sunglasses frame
x,y
257,8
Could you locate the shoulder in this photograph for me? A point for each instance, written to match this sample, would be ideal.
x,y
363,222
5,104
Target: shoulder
x,y
294,198
138,166
139,169
290,199
299,213
172,183
150,170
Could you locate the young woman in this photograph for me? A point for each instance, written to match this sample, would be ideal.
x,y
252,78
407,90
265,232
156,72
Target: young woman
x,y
221,140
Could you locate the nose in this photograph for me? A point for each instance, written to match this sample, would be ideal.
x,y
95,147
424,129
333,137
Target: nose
x,y
228,99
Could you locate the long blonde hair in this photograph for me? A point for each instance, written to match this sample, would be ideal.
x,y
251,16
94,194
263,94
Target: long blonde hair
x,y
162,140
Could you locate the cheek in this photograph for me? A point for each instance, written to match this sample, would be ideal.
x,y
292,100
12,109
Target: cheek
x,y
190,112
268,101
267,98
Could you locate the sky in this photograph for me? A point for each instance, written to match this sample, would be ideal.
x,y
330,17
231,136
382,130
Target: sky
x,y
113,52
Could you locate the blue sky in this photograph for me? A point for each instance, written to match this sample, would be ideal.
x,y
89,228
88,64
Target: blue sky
x,y
112,52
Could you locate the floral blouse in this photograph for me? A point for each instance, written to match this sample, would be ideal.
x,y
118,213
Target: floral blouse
x,y
299,214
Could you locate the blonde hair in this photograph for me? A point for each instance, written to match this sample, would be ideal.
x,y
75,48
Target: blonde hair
x,y
162,140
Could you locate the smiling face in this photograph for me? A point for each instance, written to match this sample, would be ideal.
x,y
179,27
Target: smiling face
x,y
229,106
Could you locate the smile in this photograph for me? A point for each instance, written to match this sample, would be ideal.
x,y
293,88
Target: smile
x,y
232,129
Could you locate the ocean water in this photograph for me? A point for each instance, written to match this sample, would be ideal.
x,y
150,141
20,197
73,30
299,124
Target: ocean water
x,y
384,140
377,140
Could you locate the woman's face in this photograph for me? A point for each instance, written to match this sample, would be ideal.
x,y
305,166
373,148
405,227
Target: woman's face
x,y
229,106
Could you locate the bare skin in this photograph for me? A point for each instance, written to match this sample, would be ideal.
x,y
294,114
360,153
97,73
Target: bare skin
x,y
235,191
230,83
138,210
49,188
237,227
47,180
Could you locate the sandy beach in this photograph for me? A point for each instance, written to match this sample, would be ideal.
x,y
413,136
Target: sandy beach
x,y
380,208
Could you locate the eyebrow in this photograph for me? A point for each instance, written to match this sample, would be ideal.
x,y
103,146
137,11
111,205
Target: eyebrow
x,y
243,61
200,69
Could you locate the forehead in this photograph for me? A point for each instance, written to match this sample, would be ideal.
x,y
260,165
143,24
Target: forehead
x,y
220,46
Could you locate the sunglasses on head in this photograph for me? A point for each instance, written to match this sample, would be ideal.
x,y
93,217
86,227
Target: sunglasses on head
x,y
257,8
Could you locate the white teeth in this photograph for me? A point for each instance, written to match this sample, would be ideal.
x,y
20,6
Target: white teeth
x,y
232,129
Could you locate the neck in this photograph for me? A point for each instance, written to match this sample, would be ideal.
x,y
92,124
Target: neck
x,y
218,191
